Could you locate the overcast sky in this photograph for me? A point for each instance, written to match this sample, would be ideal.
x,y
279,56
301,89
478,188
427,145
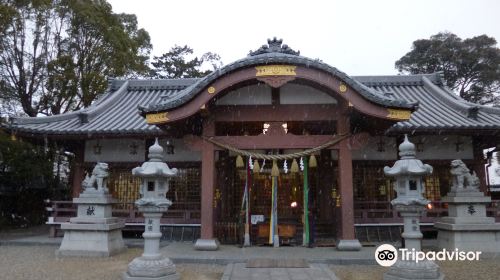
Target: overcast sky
x,y
357,37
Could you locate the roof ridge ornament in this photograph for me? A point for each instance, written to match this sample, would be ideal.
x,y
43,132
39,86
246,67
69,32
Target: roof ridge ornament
x,y
274,46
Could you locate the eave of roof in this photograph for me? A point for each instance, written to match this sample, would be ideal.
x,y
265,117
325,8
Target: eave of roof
x,y
190,92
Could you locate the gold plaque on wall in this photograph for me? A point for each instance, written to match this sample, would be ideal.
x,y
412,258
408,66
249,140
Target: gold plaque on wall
x,y
275,70
157,118
398,114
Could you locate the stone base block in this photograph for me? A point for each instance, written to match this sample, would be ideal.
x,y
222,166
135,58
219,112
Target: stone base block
x,y
85,220
93,227
151,269
484,241
126,276
409,270
206,244
83,243
348,245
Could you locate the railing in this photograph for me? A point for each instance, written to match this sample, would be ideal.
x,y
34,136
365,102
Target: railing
x,y
178,213
382,212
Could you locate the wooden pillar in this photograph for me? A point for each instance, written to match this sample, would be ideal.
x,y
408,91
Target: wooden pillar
x,y
479,163
207,241
78,171
345,235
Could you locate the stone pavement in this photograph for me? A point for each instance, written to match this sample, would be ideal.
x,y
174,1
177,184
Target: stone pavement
x,y
239,271
182,252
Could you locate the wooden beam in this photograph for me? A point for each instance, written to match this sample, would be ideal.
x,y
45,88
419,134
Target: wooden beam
x,y
276,113
262,141
288,141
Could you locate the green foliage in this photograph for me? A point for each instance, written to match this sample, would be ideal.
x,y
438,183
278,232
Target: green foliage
x,y
23,164
55,56
176,64
470,66
26,179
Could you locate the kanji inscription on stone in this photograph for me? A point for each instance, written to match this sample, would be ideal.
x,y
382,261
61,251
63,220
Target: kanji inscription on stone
x,y
471,209
91,211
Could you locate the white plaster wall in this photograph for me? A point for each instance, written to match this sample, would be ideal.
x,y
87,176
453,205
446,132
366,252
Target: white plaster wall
x,y
370,152
259,94
181,152
302,94
114,150
435,147
444,147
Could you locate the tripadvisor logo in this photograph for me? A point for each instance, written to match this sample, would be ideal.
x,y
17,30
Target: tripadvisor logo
x,y
387,255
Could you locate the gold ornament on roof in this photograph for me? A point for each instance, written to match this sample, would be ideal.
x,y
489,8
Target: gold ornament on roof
x,y
275,70
342,88
157,118
398,114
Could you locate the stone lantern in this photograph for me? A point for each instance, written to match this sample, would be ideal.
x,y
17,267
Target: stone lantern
x,y
410,203
153,203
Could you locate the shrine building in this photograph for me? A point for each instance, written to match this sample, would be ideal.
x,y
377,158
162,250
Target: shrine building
x,y
338,131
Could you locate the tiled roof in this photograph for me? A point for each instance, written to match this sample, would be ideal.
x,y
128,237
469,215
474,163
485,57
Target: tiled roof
x,y
439,108
169,102
116,112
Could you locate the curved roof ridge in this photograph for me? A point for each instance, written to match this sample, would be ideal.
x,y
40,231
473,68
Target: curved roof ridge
x,y
466,107
444,96
266,58
65,116
398,80
484,108
174,83
99,108
38,120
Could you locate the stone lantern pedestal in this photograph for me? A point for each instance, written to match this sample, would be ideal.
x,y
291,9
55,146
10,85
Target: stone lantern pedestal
x,y
152,264
153,203
410,269
94,232
410,203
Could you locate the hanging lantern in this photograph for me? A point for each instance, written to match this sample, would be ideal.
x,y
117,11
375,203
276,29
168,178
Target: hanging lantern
x,y
256,167
250,162
295,166
275,172
312,161
239,162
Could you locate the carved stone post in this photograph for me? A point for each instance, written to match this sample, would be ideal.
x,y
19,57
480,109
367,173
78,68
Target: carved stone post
x,y
154,176
94,232
467,227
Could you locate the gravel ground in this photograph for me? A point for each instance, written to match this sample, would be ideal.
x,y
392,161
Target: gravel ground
x,y
39,262
455,270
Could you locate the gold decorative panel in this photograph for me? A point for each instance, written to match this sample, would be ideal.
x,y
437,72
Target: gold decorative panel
x,y
398,114
275,70
157,118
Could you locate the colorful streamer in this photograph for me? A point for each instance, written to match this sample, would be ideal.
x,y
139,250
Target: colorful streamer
x,y
248,185
306,203
273,226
